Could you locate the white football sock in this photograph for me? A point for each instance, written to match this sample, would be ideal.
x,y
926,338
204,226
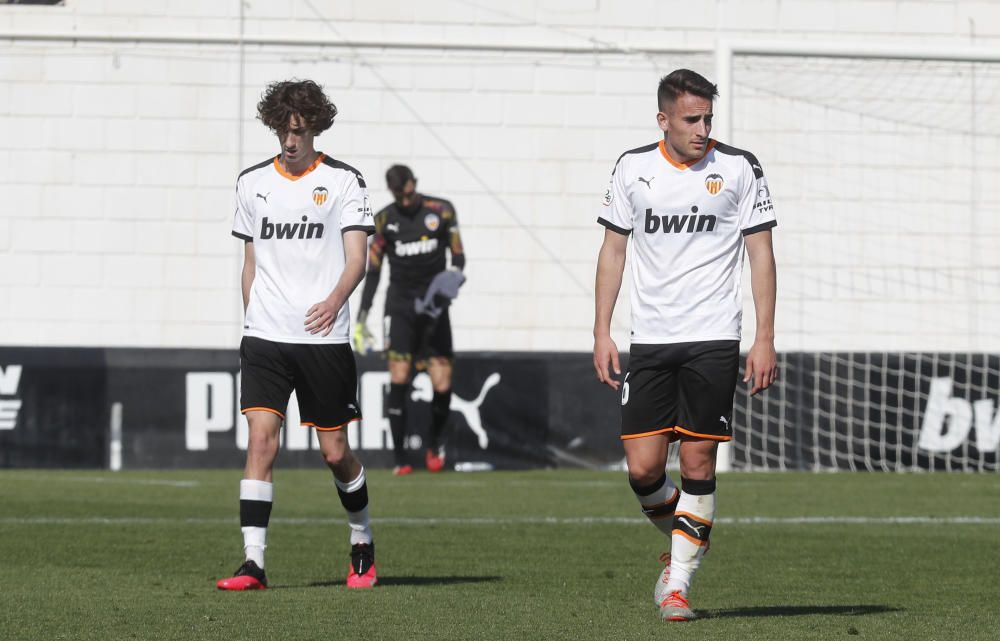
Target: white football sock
x,y
692,525
354,498
658,503
255,536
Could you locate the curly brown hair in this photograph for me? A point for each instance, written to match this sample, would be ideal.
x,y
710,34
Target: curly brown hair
x,y
282,100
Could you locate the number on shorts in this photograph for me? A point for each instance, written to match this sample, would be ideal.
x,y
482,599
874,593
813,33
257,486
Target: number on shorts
x,y
625,389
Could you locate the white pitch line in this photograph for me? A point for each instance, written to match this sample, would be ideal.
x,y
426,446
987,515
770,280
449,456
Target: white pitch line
x,y
524,520
104,479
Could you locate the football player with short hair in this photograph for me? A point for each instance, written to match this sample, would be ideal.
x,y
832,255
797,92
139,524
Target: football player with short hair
x,y
304,219
691,205
415,232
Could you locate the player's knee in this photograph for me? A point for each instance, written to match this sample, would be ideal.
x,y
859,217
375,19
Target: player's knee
x,y
334,447
642,475
262,445
338,457
697,459
399,372
334,458
698,470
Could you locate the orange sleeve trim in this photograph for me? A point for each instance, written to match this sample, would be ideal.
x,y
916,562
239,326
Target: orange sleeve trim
x,y
281,170
710,437
262,409
687,536
330,429
662,430
688,163
694,518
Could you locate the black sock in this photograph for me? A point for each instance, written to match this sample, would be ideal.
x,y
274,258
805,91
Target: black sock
x,y
353,495
440,411
396,409
255,513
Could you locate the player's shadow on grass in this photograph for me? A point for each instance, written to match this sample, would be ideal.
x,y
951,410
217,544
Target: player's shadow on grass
x,y
437,580
796,610
406,580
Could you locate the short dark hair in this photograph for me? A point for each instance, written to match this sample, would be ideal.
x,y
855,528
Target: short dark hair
x,y
282,100
397,176
683,81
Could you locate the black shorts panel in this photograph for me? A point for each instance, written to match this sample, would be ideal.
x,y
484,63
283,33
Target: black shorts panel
x,y
324,377
414,337
681,389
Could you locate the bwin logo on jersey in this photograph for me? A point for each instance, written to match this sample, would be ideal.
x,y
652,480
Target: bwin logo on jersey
x,y
269,230
679,223
416,247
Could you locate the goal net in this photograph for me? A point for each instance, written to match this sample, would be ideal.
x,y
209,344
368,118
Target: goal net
x,y
886,181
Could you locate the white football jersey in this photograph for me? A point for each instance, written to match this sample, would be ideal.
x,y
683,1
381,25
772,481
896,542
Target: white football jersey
x,y
296,225
687,222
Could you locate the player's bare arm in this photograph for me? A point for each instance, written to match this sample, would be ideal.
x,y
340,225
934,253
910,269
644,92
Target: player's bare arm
x,y
362,336
249,271
762,361
610,266
321,316
457,250
375,254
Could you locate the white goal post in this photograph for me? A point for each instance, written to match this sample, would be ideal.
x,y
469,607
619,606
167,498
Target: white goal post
x,y
884,164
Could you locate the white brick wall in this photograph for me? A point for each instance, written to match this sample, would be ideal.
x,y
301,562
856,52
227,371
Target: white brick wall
x,y
117,160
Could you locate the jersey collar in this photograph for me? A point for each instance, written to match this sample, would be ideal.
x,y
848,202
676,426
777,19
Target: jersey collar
x,y
281,170
685,165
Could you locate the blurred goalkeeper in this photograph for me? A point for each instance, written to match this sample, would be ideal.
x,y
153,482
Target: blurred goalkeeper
x,y
415,233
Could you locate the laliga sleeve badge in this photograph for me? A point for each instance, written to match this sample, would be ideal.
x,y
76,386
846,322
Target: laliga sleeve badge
x,y
609,196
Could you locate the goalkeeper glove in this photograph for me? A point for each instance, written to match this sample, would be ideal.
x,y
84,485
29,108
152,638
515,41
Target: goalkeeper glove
x,y
363,339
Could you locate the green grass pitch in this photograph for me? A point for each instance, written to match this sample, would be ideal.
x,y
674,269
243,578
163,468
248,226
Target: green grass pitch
x,y
532,555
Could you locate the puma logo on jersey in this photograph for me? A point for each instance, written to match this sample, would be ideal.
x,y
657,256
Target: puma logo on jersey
x,y
648,182
416,247
678,223
264,196
392,227
280,231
